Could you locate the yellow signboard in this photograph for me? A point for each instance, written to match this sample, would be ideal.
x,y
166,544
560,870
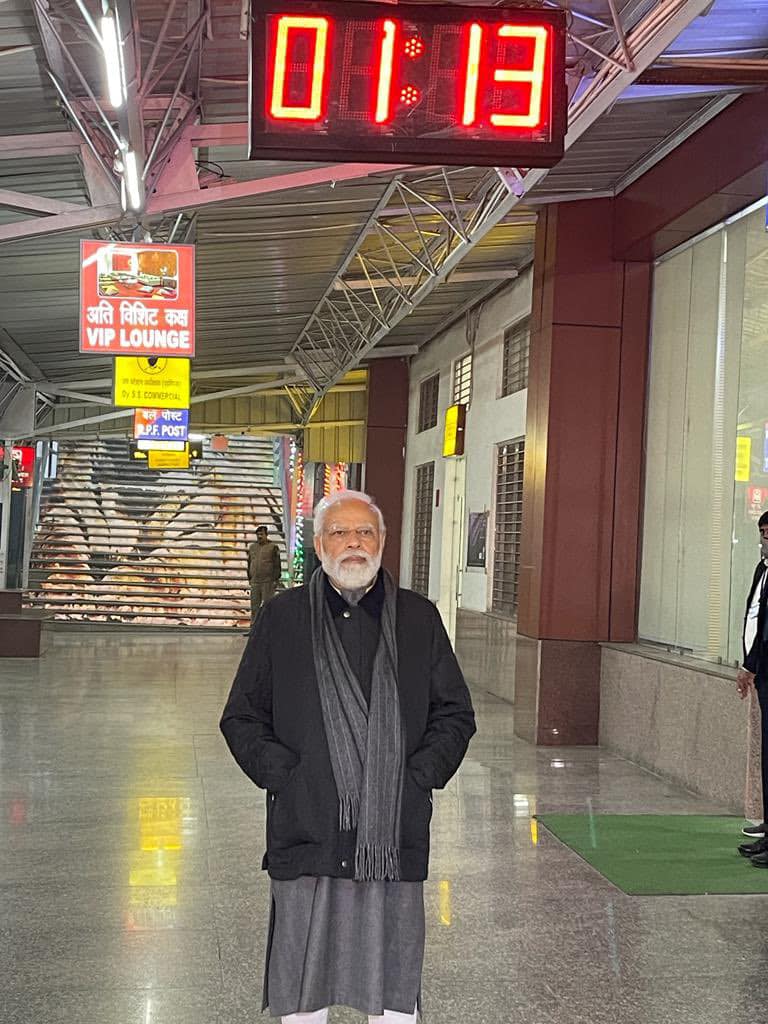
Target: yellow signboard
x,y
743,459
455,423
168,460
151,383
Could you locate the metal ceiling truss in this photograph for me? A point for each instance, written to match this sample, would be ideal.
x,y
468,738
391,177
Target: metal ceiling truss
x,y
403,254
418,233
17,371
158,123
162,84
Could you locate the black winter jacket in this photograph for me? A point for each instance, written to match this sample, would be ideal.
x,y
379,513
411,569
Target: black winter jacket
x,y
754,659
273,724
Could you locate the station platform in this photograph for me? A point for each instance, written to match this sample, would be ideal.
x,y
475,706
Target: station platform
x,y
130,881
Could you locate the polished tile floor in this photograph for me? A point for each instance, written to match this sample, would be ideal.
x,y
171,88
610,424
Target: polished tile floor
x,y
131,893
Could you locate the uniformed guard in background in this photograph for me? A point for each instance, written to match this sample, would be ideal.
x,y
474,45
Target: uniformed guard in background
x,y
264,569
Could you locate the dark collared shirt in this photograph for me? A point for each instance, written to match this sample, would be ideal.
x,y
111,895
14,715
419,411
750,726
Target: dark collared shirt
x,y
359,628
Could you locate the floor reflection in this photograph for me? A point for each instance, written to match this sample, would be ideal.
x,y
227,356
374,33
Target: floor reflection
x,y
131,889
154,869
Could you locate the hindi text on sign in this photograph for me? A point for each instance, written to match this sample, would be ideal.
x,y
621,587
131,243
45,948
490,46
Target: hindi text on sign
x,y
137,297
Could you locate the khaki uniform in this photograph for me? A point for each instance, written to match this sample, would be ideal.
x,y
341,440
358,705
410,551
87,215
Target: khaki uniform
x,y
264,571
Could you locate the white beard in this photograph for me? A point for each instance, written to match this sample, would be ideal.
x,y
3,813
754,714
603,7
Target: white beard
x,y
351,577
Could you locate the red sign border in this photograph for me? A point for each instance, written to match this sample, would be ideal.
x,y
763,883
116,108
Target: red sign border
x,y
143,353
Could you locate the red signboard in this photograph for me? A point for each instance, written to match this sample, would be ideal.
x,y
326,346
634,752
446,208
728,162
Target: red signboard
x,y
23,465
137,298
417,82
757,500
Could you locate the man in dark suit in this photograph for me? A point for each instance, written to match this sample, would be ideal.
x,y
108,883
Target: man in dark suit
x,y
754,672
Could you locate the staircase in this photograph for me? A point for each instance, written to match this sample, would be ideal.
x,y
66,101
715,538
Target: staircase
x,y
118,543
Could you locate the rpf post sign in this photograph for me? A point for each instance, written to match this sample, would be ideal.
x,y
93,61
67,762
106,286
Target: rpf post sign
x,y
137,298
161,424
151,383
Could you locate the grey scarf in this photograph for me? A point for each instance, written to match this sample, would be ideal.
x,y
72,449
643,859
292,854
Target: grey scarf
x,y
366,743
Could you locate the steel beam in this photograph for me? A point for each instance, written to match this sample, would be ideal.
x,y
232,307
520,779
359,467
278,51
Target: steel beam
x,y
39,145
457,277
97,383
249,389
327,175
16,360
85,217
38,204
91,217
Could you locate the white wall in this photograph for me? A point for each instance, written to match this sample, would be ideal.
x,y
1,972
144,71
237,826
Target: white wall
x,y
490,420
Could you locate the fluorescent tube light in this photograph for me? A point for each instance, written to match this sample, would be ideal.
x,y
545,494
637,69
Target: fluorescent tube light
x,y
113,59
132,180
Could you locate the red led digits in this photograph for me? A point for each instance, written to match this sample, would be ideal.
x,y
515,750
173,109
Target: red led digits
x,y
386,63
474,47
289,26
433,83
534,75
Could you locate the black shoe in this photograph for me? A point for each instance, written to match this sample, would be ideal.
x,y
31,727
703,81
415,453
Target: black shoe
x,y
760,860
754,831
752,849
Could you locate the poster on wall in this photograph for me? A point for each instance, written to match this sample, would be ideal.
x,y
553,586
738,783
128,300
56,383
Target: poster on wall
x,y
23,466
743,459
757,502
478,540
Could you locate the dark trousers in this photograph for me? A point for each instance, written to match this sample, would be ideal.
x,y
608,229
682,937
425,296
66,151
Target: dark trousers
x,y
261,592
761,685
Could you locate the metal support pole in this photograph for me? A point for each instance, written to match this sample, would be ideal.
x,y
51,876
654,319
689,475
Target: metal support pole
x,y
5,512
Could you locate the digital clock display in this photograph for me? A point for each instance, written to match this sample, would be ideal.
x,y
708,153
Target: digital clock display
x,y
408,83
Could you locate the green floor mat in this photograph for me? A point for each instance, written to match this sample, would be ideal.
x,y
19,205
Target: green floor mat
x,y
662,854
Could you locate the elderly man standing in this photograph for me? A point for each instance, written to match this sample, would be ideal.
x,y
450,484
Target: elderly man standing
x,y
348,708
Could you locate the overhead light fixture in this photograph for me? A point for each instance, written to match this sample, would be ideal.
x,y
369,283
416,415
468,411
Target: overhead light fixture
x,y
132,180
112,46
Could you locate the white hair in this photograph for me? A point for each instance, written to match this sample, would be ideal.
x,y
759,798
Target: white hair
x,y
325,505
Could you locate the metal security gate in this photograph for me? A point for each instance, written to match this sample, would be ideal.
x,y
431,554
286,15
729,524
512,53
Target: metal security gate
x,y
117,543
422,528
508,525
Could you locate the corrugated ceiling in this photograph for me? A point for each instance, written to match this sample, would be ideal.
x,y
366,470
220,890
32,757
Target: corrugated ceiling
x,y
264,263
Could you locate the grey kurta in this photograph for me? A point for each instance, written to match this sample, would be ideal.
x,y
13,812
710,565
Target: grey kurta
x,y
337,942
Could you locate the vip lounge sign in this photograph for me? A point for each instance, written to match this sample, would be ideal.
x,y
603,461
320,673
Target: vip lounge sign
x,y
137,298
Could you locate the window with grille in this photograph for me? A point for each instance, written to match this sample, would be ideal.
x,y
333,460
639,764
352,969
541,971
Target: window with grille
x,y
509,518
428,398
462,380
517,340
422,528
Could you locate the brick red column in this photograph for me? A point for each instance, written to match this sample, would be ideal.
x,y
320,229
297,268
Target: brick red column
x,y
579,560
385,448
